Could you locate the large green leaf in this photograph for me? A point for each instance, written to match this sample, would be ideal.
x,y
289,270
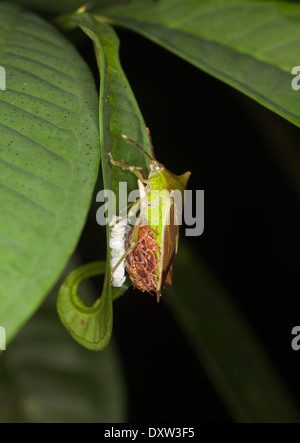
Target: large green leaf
x,y
51,6
46,377
119,111
49,157
230,352
119,114
57,6
250,44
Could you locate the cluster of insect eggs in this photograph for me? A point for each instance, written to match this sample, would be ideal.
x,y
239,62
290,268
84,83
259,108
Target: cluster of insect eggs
x,y
119,229
141,263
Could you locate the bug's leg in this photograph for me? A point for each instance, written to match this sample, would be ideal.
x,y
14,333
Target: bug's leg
x,y
117,221
134,239
133,208
123,165
132,245
119,229
134,169
127,208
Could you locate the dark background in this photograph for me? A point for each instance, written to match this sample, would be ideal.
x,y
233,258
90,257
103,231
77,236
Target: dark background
x,y
236,151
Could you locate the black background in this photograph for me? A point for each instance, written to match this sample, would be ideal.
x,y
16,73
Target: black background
x,y
232,147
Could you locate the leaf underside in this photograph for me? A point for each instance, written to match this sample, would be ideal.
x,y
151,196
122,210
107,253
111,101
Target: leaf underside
x,y
45,377
252,45
49,157
119,113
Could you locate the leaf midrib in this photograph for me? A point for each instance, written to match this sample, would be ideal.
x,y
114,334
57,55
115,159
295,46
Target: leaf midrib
x,y
221,75
139,26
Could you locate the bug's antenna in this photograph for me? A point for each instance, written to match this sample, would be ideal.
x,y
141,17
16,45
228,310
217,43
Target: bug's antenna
x,y
151,144
140,147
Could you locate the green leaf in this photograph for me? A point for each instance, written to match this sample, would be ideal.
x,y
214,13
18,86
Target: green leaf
x,y
119,113
51,6
89,326
46,377
57,6
230,352
49,159
252,44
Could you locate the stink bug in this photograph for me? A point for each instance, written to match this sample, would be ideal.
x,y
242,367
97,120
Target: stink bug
x,y
153,241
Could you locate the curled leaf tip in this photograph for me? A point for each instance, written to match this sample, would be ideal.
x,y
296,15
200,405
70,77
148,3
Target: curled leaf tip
x,y
89,326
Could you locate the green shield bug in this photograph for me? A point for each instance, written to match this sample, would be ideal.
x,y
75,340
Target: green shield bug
x,y
153,240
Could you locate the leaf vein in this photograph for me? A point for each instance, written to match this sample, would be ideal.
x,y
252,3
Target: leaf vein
x,y
26,197
38,145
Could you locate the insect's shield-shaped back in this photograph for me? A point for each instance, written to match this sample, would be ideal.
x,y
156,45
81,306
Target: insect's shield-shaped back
x,y
155,207
153,240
